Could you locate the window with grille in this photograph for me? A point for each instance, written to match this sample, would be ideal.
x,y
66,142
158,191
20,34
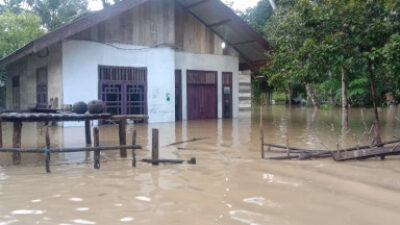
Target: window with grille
x,y
123,89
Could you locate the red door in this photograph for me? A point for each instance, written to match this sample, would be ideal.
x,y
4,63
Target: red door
x,y
202,95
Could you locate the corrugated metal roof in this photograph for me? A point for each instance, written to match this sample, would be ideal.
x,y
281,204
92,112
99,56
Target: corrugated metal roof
x,y
230,27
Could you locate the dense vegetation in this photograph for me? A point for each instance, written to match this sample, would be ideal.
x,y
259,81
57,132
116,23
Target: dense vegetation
x,y
335,48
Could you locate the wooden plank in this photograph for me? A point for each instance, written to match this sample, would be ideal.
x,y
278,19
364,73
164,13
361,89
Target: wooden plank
x,y
69,150
45,117
96,140
138,117
155,147
17,142
122,137
365,153
170,161
62,116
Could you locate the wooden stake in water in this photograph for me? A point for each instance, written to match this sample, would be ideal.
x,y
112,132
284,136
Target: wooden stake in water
x,y
87,133
134,150
262,133
17,142
1,135
155,146
122,137
47,148
96,144
287,142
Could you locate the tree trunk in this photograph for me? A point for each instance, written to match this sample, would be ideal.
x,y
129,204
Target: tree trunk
x,y
312,96
345,105
330,90
289,94
378,138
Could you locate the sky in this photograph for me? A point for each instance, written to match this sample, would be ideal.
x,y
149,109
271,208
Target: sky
x,y
237,4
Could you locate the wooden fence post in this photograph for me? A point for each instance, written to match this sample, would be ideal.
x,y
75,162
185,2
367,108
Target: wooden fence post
x,y
122,137
96,144
87,133
47,151
134,150
1,134
17,142
155,146
262,133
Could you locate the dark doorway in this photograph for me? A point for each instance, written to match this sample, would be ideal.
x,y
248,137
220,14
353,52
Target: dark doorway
x,y
15,93
227,95
41,88
123,89
202,95
178,95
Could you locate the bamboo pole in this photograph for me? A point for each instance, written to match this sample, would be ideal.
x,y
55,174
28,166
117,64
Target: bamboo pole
x,y
155,147
96,144
134,150
47,152
122,137
262,133
17,142
69,150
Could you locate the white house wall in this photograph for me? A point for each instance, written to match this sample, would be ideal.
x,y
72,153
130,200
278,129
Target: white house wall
x,y
221,63
26,69
80,73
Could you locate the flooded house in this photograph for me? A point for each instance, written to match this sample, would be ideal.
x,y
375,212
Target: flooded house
x,y
170,59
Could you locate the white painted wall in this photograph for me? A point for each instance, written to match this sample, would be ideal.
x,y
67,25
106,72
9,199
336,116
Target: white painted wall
x,y
220,63
80,73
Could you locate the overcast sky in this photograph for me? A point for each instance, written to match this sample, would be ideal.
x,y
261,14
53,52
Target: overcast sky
x,y
237,4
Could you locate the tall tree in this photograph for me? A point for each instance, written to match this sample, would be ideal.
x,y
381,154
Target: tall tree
x,y
17,29
55,13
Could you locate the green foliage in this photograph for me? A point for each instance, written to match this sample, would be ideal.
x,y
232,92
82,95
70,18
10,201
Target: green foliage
x,y
314,40
17,29
258,16
55,13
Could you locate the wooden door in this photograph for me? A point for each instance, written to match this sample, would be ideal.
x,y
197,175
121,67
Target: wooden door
x,y
41,88
15,93
178,95
227,95
202,95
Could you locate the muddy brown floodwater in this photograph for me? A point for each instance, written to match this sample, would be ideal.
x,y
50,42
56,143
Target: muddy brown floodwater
x,y
229,185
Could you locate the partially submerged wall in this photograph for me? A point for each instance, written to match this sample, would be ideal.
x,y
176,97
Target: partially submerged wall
x,y
80,68
220,63
26,69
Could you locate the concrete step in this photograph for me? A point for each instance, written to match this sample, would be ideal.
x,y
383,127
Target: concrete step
x,y
244,79
244,98
244,89
245,105
244,84
241,109
245,94
244,102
